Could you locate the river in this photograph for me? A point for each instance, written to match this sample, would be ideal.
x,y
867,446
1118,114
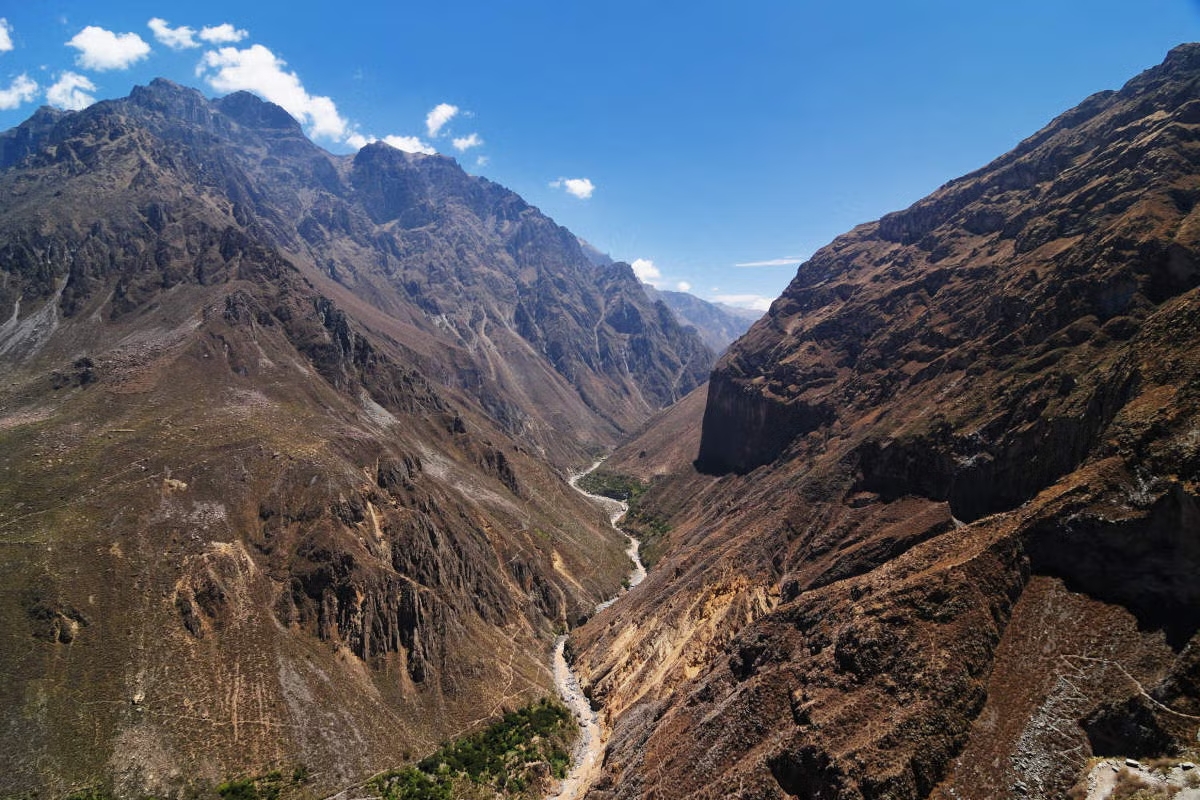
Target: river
x,y
589,751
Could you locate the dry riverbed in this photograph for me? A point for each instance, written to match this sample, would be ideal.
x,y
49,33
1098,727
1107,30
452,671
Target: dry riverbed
x,y
589,752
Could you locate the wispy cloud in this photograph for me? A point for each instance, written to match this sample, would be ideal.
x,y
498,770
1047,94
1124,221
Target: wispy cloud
x,y
463,143
579,187
786,261
102,50
22,90
438,117
222,34
646,271
683,286
481,161
70,91
257,69
6,43
754,301
181,38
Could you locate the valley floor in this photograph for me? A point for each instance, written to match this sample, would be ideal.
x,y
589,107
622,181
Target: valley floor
x,y
589,753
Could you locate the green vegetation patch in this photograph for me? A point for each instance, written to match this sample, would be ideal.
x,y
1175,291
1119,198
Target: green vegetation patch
x,y
267,787
612,484
514,757
640,522
271,786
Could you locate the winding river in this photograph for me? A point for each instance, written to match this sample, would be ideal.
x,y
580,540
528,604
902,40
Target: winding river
x,y
590,749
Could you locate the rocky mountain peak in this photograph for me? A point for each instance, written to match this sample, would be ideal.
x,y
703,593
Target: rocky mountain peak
x,y
251,111
987,229
183,103
171,101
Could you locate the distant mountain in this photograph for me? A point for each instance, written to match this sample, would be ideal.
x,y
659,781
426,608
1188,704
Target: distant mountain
x,y
719,325
942,533
594,256
284,436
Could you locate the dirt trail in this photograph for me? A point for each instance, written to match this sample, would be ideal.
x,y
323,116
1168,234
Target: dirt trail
x,y
589,751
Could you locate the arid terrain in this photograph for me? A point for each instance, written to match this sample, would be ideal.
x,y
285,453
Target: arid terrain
x,y
286,440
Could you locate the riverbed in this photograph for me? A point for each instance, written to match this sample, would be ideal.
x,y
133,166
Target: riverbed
x,y
589,751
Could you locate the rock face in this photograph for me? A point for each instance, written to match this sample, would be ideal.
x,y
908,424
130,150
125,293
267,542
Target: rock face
x,y
937,539
282,436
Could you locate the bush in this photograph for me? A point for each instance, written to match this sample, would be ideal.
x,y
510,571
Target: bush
x,y
240,789
612,485
1130,786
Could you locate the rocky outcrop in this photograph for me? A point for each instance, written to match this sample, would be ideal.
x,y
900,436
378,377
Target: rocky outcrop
x,y
944,504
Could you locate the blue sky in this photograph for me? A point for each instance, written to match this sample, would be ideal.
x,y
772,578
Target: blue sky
x,y
689,138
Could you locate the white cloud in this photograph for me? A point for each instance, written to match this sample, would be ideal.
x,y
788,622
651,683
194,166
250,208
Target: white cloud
x,y
70,91
754,301
580,187
5,36
257,69
462,143
409,144
181,38
646,271
787,261
222,34
434,121
683,286
22,90
439,116
482,161
101,49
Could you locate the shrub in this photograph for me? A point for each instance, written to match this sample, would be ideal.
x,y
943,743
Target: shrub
x,y
501,758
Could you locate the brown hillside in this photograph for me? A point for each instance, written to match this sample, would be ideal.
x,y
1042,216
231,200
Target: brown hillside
x,y
283,438
945,535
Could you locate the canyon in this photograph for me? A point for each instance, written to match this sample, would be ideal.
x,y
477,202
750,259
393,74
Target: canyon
x,y
287,442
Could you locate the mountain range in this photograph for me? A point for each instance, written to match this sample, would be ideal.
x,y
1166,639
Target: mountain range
x,y
718,324
284,439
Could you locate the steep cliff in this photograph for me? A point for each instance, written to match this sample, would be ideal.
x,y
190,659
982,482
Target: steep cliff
x,y
283,437
938,531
